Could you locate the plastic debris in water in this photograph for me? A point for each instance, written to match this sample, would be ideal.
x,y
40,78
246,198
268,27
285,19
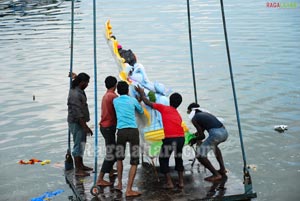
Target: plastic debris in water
x,y
252,167
47,195
45,162
33,161
280,128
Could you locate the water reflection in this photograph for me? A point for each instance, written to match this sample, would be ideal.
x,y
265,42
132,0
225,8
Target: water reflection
x,y
218,188
23,19
27,7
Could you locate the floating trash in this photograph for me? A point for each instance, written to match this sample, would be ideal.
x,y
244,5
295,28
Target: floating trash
x,y
45,162
280,128
29,162
47,195
33,161
252,167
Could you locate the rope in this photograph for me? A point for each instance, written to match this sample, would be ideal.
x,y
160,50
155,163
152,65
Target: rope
x,y
71,63
191,50
95,92
247,178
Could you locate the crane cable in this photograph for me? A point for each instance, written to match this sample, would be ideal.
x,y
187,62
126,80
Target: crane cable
x,y
247,177
191,51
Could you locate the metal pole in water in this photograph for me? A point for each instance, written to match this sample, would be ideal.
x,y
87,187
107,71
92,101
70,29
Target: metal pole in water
x,y
191,50
95,90
247,177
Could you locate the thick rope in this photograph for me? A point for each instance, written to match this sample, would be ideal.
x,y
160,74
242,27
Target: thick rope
x,y
191,51
95,92
247,178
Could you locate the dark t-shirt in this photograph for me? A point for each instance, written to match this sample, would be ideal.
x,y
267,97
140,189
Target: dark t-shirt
x,y
207,120
77,106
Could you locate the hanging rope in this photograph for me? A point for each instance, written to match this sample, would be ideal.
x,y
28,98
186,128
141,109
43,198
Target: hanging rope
x,y
247,178
191,51
95,91
71,64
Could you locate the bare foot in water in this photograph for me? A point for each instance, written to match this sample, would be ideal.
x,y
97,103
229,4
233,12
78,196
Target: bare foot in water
x,y
222,172
132,193
118,187
103,183
168,186
213,178
81,173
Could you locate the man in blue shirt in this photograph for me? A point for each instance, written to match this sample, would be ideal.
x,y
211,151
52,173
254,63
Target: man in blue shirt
x,y
125,107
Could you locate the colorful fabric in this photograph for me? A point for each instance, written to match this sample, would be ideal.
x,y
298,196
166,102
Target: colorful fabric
x,y
171,120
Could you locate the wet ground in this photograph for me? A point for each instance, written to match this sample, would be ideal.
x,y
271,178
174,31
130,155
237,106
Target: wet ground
x,y
150,182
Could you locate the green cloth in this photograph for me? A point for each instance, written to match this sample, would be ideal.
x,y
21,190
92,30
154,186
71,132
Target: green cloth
x,y
152,96
155,148
188,136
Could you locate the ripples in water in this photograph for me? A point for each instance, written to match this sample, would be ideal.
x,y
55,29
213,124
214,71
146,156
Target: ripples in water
x,y
27,7
31,19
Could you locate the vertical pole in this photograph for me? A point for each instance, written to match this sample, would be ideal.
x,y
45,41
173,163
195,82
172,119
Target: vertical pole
x,y
95,88
247,178
71,63
191,51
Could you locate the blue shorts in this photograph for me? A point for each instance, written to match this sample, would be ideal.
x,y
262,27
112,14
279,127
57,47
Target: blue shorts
x,y
216,136
79,139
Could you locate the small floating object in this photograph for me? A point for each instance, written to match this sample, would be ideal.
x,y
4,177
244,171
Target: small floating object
x,y
33,97
47,195
29,162
33,161
252,167
23,162
45,162
280,128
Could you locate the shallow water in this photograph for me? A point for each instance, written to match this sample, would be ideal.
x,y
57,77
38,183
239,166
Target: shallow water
x,y
264,45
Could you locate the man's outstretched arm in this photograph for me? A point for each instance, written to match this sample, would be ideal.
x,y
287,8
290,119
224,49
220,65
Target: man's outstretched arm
x,y
143,96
